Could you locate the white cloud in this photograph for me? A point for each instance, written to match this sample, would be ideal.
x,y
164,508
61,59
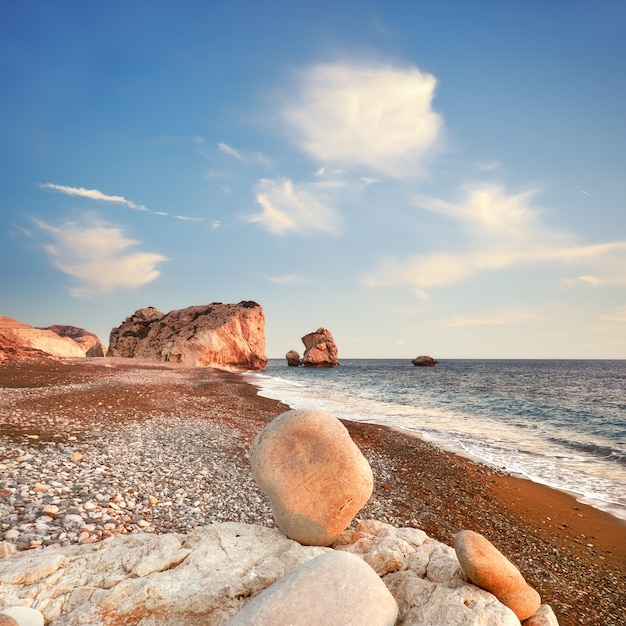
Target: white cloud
x,y
96,255
501,231
226,149
244,157
93,194
380,117
293,208
618,316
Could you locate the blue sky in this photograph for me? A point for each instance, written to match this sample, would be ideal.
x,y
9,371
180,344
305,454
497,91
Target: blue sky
x,y
443,178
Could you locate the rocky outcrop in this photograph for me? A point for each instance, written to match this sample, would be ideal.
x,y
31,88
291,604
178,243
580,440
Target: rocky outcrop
x,y
227,336
424,361
314,475
90,344
210,574
293,358
320,349
489,569
19,340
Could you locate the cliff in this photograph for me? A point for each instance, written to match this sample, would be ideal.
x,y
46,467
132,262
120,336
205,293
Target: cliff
x,y
226,336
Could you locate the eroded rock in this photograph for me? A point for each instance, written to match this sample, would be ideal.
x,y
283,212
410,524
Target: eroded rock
x,y
320,349
229,336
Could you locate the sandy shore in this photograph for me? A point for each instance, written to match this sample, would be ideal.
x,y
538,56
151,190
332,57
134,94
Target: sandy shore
x,y
574,555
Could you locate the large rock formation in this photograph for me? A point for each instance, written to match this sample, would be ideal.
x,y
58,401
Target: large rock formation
x,y
208,575
19,341
320,349
90,344
228,336
314,475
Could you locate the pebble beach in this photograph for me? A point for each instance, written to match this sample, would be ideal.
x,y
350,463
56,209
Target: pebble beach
x,y
94,448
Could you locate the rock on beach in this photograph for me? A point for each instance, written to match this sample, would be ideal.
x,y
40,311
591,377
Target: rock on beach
x,y
211,574
334,588
314,475
489,569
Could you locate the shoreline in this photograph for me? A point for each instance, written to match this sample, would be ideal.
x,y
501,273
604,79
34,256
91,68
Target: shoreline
x,y
603,507
572,553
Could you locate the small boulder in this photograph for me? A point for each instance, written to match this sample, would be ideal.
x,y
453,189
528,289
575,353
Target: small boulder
x,y
293,358
334,588
424,361
320,349
489,569
22,615
314,475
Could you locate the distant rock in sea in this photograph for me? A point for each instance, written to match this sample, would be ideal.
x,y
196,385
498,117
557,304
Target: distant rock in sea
x,y
227,336
320,349
293,358
424,361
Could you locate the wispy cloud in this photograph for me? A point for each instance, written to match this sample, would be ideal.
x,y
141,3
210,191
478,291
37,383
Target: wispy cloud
x,y
95,194
287,207
618,316
96,255
586,193
501,231
244,157
226,149
374,116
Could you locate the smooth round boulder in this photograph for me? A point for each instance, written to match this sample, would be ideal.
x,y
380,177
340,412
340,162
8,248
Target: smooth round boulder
x,y
314,475
334,588
23,615
489,569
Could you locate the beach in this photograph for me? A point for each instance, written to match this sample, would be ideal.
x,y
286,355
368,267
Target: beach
x,y
131,446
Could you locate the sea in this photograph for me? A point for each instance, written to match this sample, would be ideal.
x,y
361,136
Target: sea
x,y
561,423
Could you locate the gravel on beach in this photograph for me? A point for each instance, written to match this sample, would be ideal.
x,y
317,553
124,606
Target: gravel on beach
x,y
95,448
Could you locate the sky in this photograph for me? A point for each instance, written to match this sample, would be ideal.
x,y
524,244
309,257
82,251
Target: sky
x,y
444,178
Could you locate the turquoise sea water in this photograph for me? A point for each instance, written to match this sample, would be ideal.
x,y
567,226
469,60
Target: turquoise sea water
x,y
561,423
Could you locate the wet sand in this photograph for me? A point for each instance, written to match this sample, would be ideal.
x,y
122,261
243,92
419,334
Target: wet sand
x,y
574,555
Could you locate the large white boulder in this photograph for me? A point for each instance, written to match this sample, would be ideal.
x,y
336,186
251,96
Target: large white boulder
x,y
334,588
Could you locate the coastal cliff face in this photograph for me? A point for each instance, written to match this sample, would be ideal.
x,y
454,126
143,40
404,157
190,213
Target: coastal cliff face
x,y
20,341
226,336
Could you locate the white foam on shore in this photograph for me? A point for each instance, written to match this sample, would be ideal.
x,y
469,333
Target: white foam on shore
x,y
523,452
